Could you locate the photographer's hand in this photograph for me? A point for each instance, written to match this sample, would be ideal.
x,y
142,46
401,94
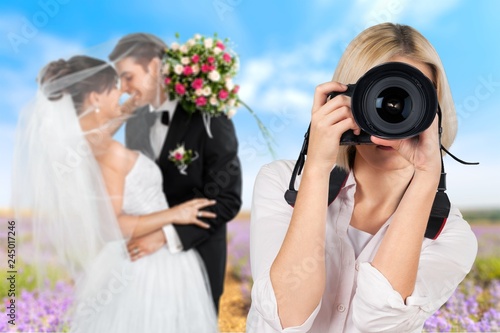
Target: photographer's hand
x,y
305,238
328,122
399,253
422,151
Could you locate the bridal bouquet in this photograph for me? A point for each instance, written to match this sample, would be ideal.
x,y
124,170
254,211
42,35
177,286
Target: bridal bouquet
x,y
200,73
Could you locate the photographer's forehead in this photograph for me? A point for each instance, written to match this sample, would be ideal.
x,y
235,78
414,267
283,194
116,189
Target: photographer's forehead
x,y
424,68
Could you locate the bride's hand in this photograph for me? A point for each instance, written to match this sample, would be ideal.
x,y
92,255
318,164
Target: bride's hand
x,y
190,211
129,106
146,245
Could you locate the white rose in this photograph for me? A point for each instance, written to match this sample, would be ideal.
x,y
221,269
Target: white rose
x,y
229,84
174,46
184,48
165,70
214,76
207,91
231,102
178,69
185,60
196,69
180,150
208,43
217,50
230,114
197,36
191,42
213,100
198,92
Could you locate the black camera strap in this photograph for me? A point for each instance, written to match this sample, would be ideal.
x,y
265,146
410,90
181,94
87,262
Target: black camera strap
x,y
440,207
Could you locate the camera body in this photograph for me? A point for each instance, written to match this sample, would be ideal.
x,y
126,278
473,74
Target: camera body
x,y
393,100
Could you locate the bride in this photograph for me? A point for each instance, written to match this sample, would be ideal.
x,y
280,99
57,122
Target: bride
x,y
89,196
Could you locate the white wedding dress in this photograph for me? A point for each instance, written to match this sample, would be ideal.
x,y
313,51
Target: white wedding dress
x,y
159,293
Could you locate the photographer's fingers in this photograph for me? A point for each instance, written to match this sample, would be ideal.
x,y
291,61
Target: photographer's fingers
x,y
332,117
431,133
322,91
387,143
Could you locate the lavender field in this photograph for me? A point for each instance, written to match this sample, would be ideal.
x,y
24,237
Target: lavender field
x,y
475,306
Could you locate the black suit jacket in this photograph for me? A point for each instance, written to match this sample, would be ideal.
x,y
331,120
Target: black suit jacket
x,y
215,174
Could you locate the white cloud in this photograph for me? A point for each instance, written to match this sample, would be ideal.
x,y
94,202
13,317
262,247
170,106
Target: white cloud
x,y
7,133
287,79
365,13
253,76
474,186
426,12
19,82
291,98
18,86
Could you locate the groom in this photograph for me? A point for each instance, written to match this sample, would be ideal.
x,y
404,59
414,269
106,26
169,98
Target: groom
x,y
158,126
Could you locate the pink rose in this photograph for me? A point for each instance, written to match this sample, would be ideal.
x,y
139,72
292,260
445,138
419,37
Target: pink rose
x,y
178,156
211,60
188,70
201,101
205,68
197,84
236,89
180,89
223,94
220,45
226,57
168,80
195,58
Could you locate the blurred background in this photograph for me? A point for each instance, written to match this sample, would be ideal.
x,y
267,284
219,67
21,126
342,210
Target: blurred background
x,y
285,50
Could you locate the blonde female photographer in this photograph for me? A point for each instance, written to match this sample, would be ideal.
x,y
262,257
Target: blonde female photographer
x,y
361,263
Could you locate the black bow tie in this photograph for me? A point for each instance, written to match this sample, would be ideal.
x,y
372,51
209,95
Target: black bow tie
x,y
165,117
152,116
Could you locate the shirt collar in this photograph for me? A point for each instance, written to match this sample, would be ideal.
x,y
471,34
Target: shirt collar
x,y
351,180
168,105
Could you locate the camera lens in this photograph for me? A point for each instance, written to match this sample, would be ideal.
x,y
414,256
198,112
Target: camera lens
x,y
393,105
394,101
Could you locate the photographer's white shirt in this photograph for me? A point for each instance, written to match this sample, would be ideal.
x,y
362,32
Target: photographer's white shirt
x,y
357,296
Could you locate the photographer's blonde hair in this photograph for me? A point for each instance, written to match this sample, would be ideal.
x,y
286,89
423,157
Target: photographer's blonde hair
x,y
380,43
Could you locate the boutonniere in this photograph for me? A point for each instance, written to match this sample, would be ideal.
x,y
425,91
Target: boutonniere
x,y
182,157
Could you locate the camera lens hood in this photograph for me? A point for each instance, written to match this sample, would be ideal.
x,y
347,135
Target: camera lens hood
x,y
394,101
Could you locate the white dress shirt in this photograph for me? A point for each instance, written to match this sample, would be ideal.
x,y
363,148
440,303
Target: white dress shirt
x,y
357,297
157,136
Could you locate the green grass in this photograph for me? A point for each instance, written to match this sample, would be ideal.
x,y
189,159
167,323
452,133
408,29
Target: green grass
x,y
28,279
483,216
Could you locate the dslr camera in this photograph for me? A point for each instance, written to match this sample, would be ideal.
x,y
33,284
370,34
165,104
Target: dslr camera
x,y
391,101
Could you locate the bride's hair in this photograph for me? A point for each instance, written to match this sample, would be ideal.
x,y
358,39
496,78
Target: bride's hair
x,y
66,72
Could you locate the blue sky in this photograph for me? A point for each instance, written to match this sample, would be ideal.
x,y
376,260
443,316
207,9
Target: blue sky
x,y
285,49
